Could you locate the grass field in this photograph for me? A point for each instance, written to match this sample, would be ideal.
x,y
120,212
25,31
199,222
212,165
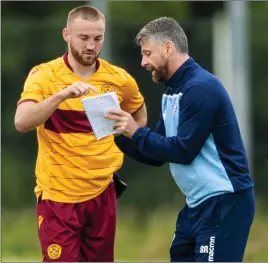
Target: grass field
x,y
137,239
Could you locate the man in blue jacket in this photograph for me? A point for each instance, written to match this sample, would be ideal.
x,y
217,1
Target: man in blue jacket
x,y
198,135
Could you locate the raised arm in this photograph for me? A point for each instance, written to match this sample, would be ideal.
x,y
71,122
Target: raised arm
x,y
197,112
30,114
197,108
33,109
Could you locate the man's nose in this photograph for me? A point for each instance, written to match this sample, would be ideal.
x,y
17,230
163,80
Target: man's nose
x,y
144,62
90,45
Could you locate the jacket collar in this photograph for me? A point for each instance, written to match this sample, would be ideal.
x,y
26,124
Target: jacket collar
x,y
181,73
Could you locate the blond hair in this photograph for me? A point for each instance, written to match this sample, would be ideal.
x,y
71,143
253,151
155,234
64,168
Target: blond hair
x,y
85,12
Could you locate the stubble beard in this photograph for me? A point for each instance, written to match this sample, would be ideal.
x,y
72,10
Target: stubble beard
x,y
83,59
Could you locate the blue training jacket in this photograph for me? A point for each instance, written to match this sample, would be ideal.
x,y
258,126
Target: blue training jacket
x,y
197,134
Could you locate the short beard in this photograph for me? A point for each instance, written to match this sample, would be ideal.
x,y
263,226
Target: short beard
x,y
161,74
82,60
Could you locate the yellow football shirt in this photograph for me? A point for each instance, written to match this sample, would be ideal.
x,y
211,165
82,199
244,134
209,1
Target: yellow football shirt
x,y
72,166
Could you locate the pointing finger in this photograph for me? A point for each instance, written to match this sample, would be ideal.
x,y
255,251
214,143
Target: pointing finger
x,y
91,87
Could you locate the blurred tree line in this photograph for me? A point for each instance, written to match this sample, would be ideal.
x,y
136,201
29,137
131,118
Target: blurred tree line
x,y
31,34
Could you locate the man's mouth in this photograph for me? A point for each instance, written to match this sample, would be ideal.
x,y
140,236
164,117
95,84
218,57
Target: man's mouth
x,y
90,53
150,69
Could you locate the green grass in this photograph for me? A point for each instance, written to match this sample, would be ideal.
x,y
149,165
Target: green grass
x,y
136,240
19,236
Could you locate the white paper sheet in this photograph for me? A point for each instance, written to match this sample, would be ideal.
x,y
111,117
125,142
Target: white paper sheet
x,y
95,108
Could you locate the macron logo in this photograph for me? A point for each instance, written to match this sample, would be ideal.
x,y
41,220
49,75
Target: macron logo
x,y
211,249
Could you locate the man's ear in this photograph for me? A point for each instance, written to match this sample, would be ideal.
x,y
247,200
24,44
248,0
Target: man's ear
x,y
65,34
169,47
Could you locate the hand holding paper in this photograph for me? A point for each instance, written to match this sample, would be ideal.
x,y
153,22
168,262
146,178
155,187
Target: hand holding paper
x,y
96,107
125,123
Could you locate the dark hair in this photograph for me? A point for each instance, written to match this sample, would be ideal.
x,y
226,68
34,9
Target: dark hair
x,y
163,29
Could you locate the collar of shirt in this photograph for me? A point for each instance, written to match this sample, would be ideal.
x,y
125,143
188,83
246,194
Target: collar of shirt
x,y
65,59
180,75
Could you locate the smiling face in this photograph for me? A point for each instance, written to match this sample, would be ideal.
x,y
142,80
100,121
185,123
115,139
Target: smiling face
x,y
85,39
155,59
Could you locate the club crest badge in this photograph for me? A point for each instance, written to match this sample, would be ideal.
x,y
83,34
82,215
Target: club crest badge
x,y
54,251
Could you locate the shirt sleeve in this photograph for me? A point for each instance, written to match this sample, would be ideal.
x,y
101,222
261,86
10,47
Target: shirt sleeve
x,y
132,98
197,112
33,86
128,146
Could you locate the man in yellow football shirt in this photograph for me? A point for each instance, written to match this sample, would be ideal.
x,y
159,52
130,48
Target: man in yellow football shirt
x,y
76,208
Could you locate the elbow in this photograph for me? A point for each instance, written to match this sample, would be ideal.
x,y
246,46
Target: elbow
x,y
184,154
142,122
185,159
19,126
